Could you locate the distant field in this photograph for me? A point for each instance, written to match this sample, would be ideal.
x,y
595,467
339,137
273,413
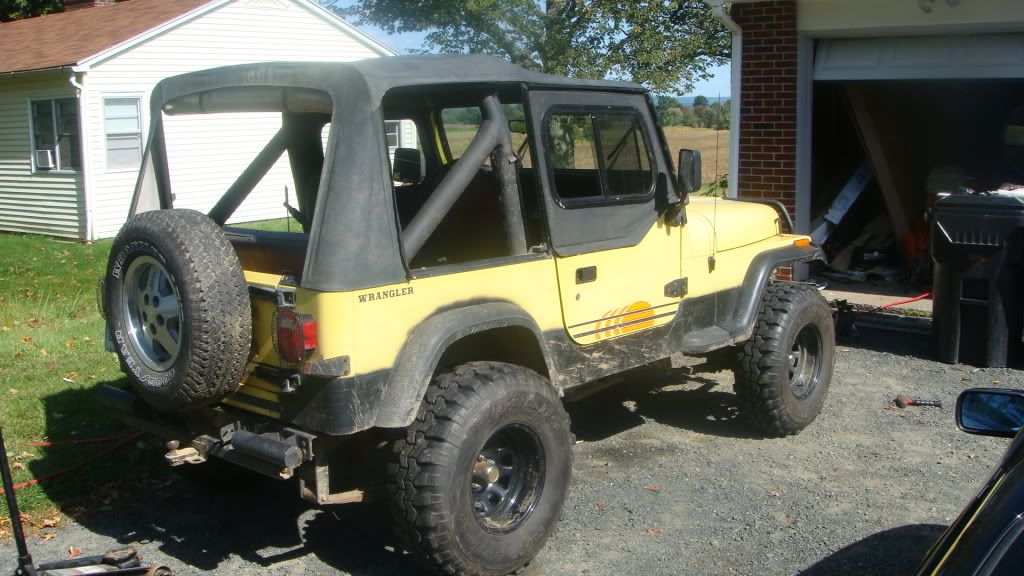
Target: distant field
x,y
713,146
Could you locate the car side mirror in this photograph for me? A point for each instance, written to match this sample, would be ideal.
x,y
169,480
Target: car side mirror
x,y
990,411
688,179
517,126
408,166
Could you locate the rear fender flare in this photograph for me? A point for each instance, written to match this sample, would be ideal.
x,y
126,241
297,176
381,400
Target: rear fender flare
x,y
427,343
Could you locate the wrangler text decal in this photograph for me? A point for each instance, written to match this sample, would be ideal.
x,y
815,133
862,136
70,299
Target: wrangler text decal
x,y
385,294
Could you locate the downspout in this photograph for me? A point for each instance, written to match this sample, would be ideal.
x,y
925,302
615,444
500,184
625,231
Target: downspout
x,y
77,80
736,80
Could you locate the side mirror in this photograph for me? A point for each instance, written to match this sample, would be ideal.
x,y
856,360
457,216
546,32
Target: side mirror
x,y
408,166
517,126
688,179
990,411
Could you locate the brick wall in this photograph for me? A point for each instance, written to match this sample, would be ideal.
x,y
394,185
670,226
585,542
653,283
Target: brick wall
x,y
767,154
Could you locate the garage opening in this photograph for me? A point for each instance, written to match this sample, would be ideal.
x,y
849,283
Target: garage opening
x,y
896,124
883,153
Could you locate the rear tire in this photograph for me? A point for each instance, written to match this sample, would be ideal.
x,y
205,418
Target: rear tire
x,y
178,308
784,371
480,479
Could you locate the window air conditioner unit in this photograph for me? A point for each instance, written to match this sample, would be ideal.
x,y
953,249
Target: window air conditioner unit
x,y
44,160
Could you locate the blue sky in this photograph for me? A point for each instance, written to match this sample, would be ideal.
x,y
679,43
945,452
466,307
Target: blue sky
x,y
402,43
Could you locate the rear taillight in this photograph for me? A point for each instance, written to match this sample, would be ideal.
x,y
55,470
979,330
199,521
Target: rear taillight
x,y
296,335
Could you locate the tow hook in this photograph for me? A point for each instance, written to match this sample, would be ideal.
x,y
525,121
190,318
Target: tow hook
x,y
176,455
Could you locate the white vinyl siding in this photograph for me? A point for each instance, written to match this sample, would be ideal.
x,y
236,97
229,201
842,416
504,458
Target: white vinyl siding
x,y
409,137
206,153
43,202
122,123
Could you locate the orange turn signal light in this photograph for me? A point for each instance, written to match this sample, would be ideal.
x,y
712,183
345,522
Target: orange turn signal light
x,y
802,242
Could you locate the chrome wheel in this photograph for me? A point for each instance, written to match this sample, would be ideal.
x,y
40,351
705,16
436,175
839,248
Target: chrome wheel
x,y
805,362
152,309
508,477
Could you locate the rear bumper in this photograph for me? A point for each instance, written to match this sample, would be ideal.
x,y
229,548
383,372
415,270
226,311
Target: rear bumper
x,y
260,445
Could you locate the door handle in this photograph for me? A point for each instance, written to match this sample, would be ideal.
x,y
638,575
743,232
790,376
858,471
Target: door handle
x,y
584,275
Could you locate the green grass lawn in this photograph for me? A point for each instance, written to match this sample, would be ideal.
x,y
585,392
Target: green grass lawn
x,y
51,356
51,359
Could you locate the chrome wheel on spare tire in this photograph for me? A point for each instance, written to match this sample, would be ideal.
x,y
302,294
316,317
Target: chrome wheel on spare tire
x,y
178,309
152,311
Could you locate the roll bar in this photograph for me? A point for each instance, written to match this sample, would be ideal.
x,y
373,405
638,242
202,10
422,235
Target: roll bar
x,y
492,139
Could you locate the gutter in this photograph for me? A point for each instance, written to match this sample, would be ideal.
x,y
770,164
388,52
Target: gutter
x,y
35,70
736,81
77,80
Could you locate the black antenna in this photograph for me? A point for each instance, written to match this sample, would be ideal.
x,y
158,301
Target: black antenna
x,y
714,188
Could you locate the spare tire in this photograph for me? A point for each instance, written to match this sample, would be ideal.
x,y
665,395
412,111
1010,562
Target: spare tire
x,y
178,308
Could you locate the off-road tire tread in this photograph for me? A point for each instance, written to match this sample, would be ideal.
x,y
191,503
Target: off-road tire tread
x,y
759,362
219,319
441,417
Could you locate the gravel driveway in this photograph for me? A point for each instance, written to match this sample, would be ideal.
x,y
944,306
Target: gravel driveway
x,y
667,481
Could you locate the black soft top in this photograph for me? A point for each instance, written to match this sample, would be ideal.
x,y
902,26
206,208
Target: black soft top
x,y
379,75
354,239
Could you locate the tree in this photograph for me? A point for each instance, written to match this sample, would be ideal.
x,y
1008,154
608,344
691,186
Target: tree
x,y
700,101
722,111
665,44
18,9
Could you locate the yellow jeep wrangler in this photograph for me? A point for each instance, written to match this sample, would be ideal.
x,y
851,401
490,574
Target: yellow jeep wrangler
x,y
435,301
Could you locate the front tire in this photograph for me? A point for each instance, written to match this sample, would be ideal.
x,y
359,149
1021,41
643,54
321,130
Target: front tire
x,y
784,371
479,481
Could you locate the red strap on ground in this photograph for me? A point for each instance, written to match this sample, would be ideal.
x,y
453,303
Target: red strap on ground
x,y
901,302
98,440
77,465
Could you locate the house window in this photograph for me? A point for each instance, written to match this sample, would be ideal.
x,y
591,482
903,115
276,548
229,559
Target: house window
x,y
393,134
56,142
123,126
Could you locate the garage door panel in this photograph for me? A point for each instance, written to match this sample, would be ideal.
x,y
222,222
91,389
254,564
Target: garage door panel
x,y
920,57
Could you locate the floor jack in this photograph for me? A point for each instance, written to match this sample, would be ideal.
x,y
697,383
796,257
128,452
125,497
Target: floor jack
x,y
122,561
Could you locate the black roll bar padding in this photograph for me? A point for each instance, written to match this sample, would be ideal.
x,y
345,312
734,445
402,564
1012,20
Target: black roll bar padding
x,y
249,178
161,174
454,183
503,161
306,157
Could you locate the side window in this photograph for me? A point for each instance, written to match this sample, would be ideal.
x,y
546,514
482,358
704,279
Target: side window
x,y
573,156
598,155
627,163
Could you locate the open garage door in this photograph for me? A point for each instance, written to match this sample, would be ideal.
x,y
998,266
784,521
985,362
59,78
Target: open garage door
x,y
928,116
921,58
